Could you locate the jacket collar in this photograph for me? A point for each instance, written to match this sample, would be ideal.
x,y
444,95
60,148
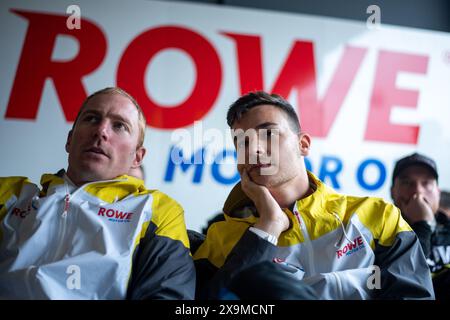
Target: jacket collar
x,y
126,184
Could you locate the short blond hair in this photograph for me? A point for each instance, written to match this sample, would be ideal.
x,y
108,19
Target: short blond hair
x,y
142,122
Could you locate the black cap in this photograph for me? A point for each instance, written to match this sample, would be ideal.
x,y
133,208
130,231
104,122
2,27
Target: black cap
x,y
414,159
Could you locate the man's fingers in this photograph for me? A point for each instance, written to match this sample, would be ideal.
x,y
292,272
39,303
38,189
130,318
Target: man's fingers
x,y
245,179
244,176
421,198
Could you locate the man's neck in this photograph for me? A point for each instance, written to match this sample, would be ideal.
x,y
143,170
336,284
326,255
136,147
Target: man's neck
x,y
71,181
291,191
73,178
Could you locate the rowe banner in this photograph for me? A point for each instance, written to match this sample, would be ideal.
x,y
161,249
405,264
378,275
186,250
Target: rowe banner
x,y
368,94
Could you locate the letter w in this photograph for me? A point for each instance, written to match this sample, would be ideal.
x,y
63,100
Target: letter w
x,y
120,214
299,74
352,245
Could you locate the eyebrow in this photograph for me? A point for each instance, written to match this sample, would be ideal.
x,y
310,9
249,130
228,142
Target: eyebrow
x,y
114,116
266,124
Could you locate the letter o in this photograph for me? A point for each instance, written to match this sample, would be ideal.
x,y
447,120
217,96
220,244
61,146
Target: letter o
x,y
215,168
381,177
134,61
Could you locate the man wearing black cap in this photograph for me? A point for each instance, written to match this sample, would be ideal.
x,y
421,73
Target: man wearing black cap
x,y
416,192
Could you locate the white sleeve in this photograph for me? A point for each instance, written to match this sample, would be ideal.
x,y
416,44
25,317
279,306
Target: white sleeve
x,y
264,235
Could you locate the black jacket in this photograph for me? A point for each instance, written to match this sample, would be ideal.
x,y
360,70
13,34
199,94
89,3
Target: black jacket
x,y
435,245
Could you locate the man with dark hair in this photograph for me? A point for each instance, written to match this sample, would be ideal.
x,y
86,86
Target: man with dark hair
x,y
343,247
416,192
254,99
94,232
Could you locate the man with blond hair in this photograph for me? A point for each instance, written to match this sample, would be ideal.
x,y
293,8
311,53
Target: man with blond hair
x,y
93,232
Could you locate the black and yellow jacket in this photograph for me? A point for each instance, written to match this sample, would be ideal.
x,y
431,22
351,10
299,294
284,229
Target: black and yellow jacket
x,y
104,240
344,247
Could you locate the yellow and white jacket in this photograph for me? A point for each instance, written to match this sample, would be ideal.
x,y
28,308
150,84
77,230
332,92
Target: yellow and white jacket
x,y
104,240
337,244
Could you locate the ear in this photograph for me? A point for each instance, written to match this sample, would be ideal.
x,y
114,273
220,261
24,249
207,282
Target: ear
x,y
304,143
138,157
392,192
69,140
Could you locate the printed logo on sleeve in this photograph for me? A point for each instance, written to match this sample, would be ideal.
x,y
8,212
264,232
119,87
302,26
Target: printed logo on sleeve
x,y
22,213
18,212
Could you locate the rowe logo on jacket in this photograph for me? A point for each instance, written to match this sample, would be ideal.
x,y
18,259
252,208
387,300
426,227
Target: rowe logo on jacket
x,y
115,215
351,247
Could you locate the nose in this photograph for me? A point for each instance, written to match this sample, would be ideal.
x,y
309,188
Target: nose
x,y
102,130
418,188
256,148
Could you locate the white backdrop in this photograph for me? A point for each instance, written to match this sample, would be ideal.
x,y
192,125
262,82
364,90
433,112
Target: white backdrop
x,y
375,88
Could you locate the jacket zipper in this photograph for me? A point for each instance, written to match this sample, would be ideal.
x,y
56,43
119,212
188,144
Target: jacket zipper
x,y
307,243
66,205
63,231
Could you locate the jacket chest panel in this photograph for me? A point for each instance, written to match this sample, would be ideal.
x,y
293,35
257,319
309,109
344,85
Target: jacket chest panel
x,y
93,238
332,251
